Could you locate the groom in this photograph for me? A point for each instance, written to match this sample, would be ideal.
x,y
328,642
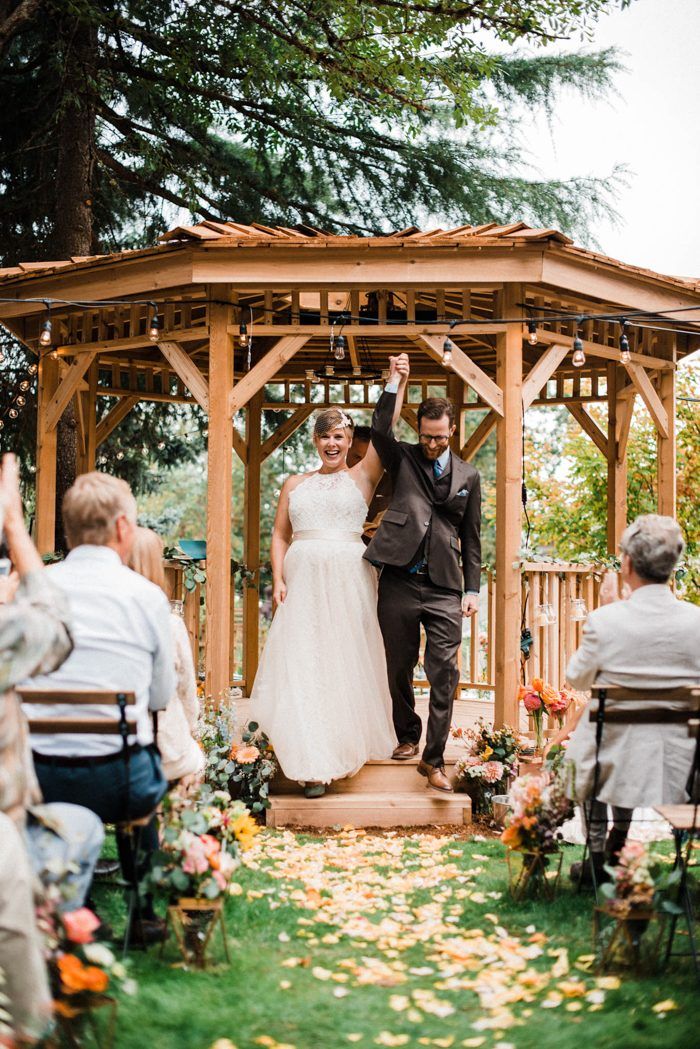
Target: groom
x,y
429,548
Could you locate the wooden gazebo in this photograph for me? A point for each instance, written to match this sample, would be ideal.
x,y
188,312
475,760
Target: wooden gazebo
x,y
294,289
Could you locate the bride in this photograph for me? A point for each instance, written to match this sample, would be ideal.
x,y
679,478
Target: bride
x,y
321,693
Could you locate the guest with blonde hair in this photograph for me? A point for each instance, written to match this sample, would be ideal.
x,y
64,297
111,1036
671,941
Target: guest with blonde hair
x,y
180,754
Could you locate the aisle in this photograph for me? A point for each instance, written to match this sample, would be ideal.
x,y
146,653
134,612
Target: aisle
x,y
383,940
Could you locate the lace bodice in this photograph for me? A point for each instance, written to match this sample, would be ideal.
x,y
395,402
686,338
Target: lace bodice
x,y
327,501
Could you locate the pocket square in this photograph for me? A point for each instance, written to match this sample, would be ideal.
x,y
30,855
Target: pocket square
x,y
463,491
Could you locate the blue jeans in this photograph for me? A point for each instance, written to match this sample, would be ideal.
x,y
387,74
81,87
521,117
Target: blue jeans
x,y
65,849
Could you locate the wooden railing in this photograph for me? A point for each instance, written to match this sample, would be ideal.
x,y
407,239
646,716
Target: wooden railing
x,y
555,585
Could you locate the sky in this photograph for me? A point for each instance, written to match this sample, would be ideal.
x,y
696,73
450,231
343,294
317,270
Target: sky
x,y
652,126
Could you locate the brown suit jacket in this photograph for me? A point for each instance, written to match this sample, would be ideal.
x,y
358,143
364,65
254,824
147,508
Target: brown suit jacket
x,y
453,527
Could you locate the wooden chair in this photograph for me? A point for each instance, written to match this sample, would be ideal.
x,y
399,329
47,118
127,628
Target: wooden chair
x,y
655,709
73,724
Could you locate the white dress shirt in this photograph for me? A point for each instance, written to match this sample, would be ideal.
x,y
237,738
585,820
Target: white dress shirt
x,y
120,624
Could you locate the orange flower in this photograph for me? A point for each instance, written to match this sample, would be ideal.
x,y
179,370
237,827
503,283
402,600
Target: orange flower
x,y
549,695
244,755
537,684
511,836
76,977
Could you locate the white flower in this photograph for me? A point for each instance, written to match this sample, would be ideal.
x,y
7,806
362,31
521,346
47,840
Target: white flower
x,y
99,954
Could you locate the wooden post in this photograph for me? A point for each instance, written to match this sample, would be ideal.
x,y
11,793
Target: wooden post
x,y
219,491
617,462
455,393
45,522
88,406
666,446
251,540
509,466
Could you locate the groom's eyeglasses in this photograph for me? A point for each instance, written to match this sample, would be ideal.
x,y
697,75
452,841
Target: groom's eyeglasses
x,y
441,438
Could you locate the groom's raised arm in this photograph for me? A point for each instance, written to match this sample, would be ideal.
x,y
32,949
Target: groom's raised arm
x,y
382,433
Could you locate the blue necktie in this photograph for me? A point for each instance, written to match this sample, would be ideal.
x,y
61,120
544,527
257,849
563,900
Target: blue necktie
x,y
437,469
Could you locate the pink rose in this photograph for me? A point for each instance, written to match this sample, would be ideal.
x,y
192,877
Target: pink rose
x,y
532,702
80,925
196,861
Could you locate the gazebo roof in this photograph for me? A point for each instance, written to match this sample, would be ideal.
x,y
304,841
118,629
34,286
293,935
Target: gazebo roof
x,y
229,234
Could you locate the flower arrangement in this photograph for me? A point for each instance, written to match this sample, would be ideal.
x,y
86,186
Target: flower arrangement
x,y
539,806
242,768
81,968
639,882
202,835
491,759
540,698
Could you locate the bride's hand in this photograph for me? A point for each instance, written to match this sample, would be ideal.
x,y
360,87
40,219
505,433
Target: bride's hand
x,y
279,592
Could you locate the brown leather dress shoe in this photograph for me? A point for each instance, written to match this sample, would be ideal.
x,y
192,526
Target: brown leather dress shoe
x,y
436,776
404,751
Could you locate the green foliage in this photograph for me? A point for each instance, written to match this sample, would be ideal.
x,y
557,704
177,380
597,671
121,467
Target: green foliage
x,y
349,115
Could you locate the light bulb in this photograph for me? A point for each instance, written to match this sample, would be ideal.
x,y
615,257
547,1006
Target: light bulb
x,y
154,327
579,357
32,369
339,348
13,413
20,400
24,385
2,425
447,350
120,455
532,328
625,355
2,356
45,337
243,334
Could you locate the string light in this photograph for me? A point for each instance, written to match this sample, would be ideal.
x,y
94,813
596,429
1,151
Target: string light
x,y
32,369
24,385
154,325
625,356
579,357
243,335
448,348
532,328
339,348
20,400
45,336
13,413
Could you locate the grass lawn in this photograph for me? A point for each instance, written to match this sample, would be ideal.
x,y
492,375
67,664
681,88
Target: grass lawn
x,y
376,939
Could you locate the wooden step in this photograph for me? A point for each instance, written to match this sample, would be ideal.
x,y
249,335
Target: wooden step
x,y
377,777
368,809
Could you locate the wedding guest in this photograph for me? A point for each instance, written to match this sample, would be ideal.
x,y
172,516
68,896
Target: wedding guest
x,y
181,755
650,641
122,642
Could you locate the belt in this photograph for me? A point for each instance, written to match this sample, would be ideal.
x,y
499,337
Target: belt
x,y
64,761
328,533
419,569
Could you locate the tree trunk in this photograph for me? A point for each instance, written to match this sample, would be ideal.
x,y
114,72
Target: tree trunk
x,y
72,234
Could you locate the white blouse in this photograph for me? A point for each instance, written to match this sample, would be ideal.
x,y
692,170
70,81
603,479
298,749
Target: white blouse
x,y
180,753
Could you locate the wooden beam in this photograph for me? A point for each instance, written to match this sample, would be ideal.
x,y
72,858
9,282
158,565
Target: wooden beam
x,y
45,518
66,389
644,388
239,445
251,542
466,369
409,415
352,350
479,436
509,469
590,427
285,430
619,418
264,370
188,371
666,445
219,493
374,329
455,393
113,417
540,374
594,349
131,342
87,403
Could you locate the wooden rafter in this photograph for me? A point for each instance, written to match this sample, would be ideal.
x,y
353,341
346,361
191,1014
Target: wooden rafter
x,y
352,350
66,389
188,371
542,372
131,342
239,446
285,430
410,416
645,389
623,421
265,369
590,427
114,417
466,369
479,436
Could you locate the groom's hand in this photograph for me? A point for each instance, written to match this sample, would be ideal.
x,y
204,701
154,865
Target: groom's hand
x,y
399,368
470,605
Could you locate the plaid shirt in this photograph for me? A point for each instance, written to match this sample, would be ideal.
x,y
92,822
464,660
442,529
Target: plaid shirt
x,y
34,639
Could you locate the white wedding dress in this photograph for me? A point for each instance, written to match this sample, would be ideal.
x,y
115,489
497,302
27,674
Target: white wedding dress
x,y
321,692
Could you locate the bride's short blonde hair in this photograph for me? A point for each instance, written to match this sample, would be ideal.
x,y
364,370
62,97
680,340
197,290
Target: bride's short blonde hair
x,y
330,419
